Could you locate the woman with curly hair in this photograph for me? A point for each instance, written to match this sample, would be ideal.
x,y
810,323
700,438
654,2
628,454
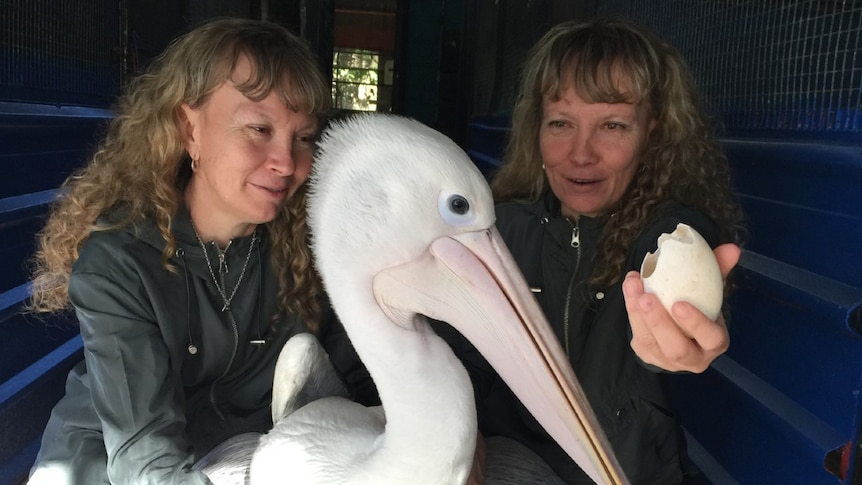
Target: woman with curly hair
x,y
608,150
182,249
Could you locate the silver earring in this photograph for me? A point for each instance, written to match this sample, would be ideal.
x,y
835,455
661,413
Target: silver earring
x,y
194,164
543,166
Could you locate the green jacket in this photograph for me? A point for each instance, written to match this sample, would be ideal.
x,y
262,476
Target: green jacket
x,y
166,374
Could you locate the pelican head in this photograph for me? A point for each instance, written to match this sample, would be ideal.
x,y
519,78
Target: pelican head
x,y
401,185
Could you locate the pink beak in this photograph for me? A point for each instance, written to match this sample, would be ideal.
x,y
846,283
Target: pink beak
x,y
472,282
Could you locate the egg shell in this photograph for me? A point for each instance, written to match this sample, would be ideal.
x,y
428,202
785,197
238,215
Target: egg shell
x,y
684,267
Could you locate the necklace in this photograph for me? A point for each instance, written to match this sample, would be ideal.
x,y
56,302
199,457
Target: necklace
x,y
223,267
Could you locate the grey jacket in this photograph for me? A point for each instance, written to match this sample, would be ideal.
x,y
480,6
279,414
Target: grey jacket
x,y
166,373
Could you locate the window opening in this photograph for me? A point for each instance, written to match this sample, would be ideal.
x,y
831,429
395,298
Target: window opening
x,y
355,75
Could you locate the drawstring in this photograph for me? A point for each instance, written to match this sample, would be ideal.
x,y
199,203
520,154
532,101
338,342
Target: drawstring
x,y
192,348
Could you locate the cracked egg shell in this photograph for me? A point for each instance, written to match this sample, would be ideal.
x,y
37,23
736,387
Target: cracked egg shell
x,y
684,268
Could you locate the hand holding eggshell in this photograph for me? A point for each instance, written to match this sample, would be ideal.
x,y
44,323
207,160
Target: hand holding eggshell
x,y
684,339
684,268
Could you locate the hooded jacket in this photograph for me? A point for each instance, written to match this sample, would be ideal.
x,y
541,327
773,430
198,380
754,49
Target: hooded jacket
x,y
556,256
167,374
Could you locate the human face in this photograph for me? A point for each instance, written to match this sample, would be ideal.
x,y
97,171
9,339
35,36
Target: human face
x,y
590,151
252,157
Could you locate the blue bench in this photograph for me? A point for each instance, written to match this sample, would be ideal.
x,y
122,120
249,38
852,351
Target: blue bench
x,y
784,400
42,144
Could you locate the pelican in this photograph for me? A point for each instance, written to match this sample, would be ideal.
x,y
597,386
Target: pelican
x,y
402,227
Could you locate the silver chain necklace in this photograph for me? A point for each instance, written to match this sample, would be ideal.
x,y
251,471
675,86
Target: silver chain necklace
x,y
222,264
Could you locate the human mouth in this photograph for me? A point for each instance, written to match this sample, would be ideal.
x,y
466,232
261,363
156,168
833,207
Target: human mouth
x,y
275,191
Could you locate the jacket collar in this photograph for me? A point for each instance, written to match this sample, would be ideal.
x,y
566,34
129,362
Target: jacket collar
x,y
189,250
550,207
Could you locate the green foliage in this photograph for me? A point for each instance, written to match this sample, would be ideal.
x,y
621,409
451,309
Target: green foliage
x,y
354,79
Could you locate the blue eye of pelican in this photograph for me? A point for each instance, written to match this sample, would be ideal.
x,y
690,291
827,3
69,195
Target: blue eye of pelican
x,y
455,209
459,204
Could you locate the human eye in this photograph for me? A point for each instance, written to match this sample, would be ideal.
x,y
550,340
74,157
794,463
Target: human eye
x,y
615,126
305,138
556,126
304,142
260,130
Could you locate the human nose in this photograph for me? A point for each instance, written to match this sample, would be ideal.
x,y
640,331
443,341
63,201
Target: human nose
x,y
581,151
280,159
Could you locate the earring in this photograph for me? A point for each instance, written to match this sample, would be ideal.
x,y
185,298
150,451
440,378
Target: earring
x,y
194,164
543,166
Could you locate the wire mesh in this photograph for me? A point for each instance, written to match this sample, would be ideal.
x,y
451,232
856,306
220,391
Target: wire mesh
x,y
59,52
780,66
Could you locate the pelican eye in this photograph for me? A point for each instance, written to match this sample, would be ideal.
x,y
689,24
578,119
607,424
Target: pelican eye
x,y
455,209
458,204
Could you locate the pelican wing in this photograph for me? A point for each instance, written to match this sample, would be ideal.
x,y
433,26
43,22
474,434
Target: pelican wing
x,y
228,463
303,373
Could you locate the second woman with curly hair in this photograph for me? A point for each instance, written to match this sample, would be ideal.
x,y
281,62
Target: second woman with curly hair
x,y
608,150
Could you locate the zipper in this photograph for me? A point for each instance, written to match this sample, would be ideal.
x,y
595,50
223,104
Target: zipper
x,y
576,243
222,263
222,271
229,364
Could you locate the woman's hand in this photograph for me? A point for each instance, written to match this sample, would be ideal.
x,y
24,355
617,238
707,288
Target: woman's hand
x,y
686,341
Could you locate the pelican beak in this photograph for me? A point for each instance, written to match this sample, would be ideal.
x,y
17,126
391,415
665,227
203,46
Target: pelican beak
x,y
472,282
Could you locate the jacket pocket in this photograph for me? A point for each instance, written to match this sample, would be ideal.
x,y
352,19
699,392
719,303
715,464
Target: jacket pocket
x,y
647,440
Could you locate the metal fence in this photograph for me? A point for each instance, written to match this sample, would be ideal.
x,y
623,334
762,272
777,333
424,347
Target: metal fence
x,y
766,66
60,52
791,68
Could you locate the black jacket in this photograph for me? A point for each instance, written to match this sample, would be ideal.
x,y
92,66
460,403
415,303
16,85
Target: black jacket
x,y
627,396
166,373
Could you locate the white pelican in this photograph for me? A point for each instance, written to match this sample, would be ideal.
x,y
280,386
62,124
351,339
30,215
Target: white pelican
x,y
402,226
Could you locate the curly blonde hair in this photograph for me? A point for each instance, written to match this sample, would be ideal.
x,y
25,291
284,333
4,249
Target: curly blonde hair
x,y
682,159
141,167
